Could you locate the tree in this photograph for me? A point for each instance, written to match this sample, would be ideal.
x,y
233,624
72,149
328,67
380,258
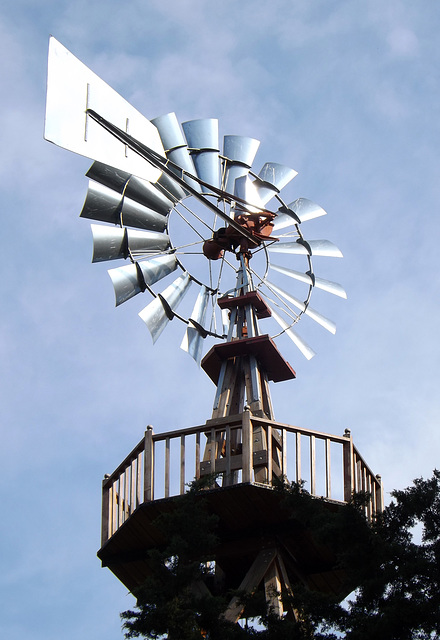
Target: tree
x,y
392,566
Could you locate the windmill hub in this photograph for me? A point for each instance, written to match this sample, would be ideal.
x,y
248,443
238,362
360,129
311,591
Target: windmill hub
x,y
259,225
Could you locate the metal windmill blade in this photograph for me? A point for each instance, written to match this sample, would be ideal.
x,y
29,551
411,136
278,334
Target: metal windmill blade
x,y
202,139
296,212
134,278
160,311
310,279
192,341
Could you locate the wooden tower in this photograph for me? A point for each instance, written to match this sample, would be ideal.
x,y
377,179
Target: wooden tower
x,y
247,450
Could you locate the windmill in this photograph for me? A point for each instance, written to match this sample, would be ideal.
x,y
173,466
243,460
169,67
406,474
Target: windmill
x,y
212,244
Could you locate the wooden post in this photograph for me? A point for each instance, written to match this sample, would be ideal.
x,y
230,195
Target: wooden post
x,y
105,521
247,453
149,465
167,468
182,465
312,466
298,457
379,494
328,470
269,453
250,582
348,466
272,590
197,472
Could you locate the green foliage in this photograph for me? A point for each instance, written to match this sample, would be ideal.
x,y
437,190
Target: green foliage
x,y
392,566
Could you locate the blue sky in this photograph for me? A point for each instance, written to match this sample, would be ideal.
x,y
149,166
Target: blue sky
x,y
347,94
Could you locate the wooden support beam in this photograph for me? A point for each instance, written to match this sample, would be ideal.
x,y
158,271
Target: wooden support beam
x,y
272,589
250,582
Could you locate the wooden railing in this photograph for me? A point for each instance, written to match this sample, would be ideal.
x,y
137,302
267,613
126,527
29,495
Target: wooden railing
x,y
238,449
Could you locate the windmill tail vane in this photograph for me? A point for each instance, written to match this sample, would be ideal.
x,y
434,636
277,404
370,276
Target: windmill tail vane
x,y
163,199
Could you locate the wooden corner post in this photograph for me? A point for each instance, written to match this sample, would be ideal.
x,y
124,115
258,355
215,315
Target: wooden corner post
x,y
149,465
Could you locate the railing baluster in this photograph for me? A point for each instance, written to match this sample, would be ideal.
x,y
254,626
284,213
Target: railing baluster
x,y
149,465
284,453
167,468
269,453
120,501
138,479
348,455
105,517
228,472
298,456
125,506
328,470
197,469
182,464
247,454
312,465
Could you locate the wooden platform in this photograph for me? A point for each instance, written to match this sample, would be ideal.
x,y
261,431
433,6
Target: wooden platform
x,y
262,347
251,518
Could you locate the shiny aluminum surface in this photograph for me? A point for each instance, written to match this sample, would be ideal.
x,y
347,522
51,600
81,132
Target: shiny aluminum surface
x,y
102,204
181,157
319,283
155,315
192,341
134,188
240,149
245,189
170,132
109,176
207,168
240,152
148,195
72,88
302,345
312,313
107,205
306,209
201,134
272,178
311,248
128,282
296,212
113,243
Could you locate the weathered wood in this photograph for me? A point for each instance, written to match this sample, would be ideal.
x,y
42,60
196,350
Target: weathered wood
x,y
312,466
284,452
379,494
269,453
167,467
247,456
328,470
257,447
250,582
114,509
139,480
182,464
272,589
298,456
197,456
149,465
348,467
105,512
